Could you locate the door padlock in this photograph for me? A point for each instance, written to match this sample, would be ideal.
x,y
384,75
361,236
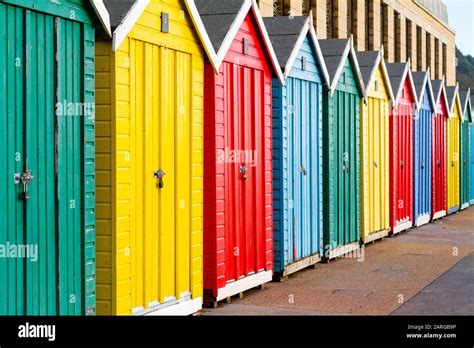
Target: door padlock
x,y
422,164
243,171
402,164
375,164
159,174
438,163
303,170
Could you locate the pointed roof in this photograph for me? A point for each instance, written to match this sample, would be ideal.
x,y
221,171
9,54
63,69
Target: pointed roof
x,y
123,16
438,87
452,94
102,14
287,35
422,82
465,99
218,23
335,52
397,73
218,17
369,61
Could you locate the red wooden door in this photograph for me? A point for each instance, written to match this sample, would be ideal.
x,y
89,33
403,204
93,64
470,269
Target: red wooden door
x,y
401,124
439,162
244,171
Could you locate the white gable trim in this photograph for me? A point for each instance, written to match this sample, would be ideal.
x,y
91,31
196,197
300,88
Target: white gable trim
x,y
266,40
445,98
386,77
466,103
296,49
232,33
103,14
380,61
202,33
337,75
455,99
319,53
426,84
349,50
307,29
128,22
406,74
217,58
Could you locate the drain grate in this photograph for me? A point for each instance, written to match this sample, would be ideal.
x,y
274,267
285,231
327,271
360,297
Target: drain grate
x,y
352,293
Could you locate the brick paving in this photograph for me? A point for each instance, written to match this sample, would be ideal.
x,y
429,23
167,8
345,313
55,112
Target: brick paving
x,y
427,270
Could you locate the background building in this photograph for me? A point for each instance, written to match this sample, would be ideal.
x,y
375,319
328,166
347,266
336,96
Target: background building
x,y
415,29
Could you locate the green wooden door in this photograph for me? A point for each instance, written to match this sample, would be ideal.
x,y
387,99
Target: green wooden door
x,y
12,231
42,140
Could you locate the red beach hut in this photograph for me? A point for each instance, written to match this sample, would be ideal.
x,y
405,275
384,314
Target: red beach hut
x,y
439,190
238,228
401,146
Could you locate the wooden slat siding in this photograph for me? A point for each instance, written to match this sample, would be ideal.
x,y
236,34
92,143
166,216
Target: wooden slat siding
x,y
116,133
283,235
89,175
197,174
68,9
211,218
122,190
215,258
268,212
280,185
378,102
105,202
331,161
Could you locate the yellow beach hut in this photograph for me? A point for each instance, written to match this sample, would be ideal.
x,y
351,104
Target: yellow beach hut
x,y
149,139
375,190
453,141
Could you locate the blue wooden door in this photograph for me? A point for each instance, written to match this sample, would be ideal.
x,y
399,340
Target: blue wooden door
x,y
422,162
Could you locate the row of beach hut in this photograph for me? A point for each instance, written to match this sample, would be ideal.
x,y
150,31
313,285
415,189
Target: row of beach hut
x,y
212,151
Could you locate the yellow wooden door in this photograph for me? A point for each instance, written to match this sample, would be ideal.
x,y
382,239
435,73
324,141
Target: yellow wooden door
x,y
161,92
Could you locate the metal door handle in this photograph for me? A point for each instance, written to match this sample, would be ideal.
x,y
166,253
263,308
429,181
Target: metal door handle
x,y
243,171
24,179
375,164
345,168
402,164
159,174
303,170
438,163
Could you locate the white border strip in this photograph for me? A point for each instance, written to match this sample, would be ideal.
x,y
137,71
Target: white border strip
x,y
439,214
202,33
128,22
422,220
402,227
307,29
243,284
103,14
179,309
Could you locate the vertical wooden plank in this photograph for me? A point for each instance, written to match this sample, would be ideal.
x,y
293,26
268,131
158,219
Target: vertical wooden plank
x,y
149,183
183,181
